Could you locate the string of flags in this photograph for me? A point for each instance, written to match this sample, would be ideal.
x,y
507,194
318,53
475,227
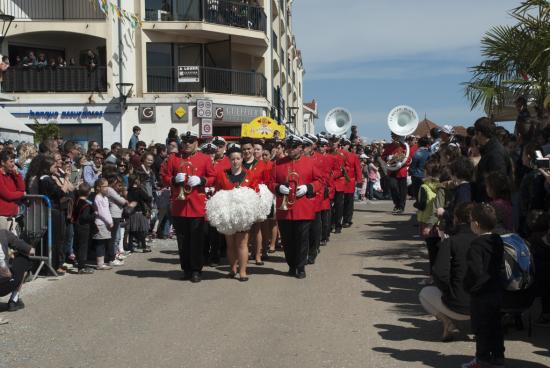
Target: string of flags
x,y
107,6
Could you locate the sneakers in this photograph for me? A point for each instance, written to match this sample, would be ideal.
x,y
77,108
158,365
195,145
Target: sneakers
x,y
104,267
121,256
116,263
15,306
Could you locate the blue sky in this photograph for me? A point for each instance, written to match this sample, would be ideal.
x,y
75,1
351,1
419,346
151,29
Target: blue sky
x,y
371,55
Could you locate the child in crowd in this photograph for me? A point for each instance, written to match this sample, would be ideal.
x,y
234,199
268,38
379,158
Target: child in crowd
x,y
461,170
483,281
103,221
498,187
83,217
427,219
138,224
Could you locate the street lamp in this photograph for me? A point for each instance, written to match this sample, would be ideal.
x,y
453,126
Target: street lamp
x,y
125,91
6,23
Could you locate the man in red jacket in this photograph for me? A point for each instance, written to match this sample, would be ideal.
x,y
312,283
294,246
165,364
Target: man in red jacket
x,y
353,169
397,178
339,184
12,189
310,145
221,161
330,169
295,181
193,171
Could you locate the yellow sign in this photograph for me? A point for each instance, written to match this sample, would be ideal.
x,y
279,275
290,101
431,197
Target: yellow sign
x,y
263,127
180,112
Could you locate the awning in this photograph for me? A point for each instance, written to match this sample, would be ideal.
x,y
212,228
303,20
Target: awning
x,y
14,129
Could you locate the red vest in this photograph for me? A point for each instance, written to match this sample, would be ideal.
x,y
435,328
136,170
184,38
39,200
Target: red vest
x,y
305,207
201,165
223,182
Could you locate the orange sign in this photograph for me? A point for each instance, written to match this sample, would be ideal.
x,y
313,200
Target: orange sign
x,y
263,127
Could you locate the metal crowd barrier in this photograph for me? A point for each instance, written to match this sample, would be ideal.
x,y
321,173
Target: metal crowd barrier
x,y
36,222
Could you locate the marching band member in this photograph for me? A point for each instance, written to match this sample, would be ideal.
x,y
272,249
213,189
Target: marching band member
x,y
295,182
397,178
236,176
188,173
354,171
339,185
221,161
257,167
331,172
310,145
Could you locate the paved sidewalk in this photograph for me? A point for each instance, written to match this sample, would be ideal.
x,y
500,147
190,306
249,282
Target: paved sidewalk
x,y
358,307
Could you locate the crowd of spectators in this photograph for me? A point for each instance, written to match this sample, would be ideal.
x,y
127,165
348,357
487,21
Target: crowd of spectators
x,y
466,188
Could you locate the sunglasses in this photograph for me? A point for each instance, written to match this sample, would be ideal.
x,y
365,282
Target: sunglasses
x,y
189,140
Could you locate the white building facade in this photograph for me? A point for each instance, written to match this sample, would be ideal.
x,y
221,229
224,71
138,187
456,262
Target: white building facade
x,y
187,60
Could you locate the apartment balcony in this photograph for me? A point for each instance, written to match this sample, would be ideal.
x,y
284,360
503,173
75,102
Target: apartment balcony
x,y
57,10
220,12
212,80
57,80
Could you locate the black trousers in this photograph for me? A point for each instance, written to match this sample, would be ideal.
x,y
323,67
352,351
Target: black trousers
x,y
325,224
295,239
190,235
432,244
314,237
487,325
338,210
348,207
416,184
213,243
82,241
19,266
398,189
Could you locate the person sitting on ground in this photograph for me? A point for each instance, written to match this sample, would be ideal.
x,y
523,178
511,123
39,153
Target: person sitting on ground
x,y
12,275
484,282
447,300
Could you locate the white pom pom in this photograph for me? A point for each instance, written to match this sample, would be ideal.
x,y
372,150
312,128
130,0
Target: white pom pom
x,y
266,202
232,211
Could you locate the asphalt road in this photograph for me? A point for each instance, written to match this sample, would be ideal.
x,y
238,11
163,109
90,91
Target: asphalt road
x,y
358,307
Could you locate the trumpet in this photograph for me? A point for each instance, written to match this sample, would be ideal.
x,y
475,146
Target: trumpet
x,y
289,200
185,188
343,167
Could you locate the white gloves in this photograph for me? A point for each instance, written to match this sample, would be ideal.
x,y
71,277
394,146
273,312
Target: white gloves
x,y
283,189
193,181
180,178
301,191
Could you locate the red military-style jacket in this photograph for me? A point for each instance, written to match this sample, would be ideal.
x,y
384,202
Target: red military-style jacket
x,y
223,164
201,166
305,207
341,159
223,182
330,171
320,163
353,168
260,170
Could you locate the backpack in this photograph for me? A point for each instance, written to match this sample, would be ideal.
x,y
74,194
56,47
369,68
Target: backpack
x,y
519,272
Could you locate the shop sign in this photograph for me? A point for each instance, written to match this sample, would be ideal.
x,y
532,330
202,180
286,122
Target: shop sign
x,y
180,113
189,74
263,127
206,128
147,114
49,115
237,113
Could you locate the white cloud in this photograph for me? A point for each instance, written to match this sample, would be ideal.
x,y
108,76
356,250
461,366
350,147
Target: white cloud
x,y
330,31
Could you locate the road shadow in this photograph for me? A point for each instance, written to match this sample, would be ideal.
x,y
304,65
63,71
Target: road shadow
x,y
435,359
174,261
419,330
170,252
256,270
169,274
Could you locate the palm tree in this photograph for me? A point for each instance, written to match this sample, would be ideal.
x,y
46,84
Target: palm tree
x,y
516,60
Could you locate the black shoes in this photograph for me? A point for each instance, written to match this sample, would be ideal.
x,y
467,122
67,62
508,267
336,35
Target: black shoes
x,y
323,243
291,271
15,306
347,224
186,276
195,277
311,261
301,273
338,231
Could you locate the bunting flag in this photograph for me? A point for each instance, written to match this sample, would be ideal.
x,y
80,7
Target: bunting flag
x,y
121,14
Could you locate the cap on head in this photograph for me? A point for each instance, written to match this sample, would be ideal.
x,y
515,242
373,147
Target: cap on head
x,y
447,129
323,141
345,141
218,141
311,137
307,141
293,140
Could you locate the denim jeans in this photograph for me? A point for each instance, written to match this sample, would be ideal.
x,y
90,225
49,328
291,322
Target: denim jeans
x,y
69,244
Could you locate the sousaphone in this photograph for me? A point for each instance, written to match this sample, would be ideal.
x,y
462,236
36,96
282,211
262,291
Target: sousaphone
x,y
338,121
402,121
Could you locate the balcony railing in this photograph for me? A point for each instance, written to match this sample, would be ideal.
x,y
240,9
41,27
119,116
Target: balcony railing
x,y
68,79
214,80
222,12
51,9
